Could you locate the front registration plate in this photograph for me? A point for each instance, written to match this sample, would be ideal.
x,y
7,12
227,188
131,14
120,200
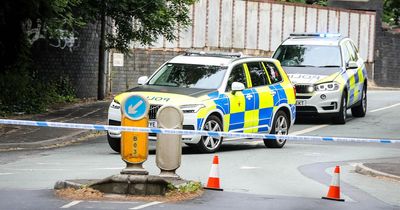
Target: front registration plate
x,y
152,124
300,102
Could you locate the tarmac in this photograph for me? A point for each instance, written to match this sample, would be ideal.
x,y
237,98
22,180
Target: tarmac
x,y
13,137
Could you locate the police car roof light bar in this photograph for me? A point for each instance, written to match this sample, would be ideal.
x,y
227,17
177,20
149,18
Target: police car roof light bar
x,y
214,54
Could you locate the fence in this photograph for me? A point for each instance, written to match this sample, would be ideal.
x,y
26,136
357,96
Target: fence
x,y
263,25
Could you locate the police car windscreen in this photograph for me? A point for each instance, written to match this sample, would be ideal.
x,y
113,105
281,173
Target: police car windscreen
x,y
189,76
308,56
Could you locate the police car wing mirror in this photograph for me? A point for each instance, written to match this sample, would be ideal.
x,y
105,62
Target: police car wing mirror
x,y
237,86
142,80
351,65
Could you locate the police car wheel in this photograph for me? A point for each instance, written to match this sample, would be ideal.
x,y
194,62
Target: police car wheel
x,y
115,143
208,144
280,126
361,109
342,114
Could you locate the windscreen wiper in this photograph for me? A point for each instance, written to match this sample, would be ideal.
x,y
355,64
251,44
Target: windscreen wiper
x,y
329,66
303,66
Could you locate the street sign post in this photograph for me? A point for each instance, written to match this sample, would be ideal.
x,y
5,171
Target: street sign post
x,y
134,145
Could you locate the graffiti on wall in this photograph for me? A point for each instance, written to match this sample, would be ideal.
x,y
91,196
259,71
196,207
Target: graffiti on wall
x,y
66,39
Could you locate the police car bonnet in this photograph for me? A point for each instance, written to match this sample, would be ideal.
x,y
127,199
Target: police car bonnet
x,y
309,75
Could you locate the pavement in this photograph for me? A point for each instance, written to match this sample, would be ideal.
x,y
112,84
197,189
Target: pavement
x,y
13,137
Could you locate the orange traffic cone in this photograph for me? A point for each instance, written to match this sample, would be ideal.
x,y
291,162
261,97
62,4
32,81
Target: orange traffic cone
x,y
334,188
213,179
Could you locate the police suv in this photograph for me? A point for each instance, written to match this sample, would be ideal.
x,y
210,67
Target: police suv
x,y
329,75
217,92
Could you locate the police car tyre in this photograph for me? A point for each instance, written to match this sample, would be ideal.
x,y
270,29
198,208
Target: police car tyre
x,y
208,144
280,126
361,109
115,143
342,114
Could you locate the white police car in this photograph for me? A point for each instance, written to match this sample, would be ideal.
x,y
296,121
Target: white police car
x,y
329,75
217,92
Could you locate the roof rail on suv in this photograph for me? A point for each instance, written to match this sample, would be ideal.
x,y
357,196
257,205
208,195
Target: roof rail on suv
x,y
327,35
214,54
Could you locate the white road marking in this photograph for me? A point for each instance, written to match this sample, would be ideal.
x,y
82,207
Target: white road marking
x,y
114,202
314,154
112,168
5,174
307,130
383,108
73,203
146,205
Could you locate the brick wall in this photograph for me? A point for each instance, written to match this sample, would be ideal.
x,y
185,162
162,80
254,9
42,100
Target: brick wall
x,y
79,62
140,62
387,62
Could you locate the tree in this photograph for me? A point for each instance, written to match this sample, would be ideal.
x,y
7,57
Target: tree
x,y
140,21
143,21
391,12
24,20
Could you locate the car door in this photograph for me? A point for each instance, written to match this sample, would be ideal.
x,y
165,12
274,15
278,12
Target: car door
x,y
240,102
361,73
276,90
352,74
263,95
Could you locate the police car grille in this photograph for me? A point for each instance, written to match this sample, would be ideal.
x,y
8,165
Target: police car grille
x,y
302,88
153,111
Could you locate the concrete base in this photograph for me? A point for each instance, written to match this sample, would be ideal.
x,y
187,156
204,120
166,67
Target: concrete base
x,y
125,184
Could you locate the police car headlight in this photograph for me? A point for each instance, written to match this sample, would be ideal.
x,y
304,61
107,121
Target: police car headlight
x,y
331,86
115,104
191,108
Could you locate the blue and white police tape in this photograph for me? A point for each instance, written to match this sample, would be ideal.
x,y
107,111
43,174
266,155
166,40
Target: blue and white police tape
x,y
191,132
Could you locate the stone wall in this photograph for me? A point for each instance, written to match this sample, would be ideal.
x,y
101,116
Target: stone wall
x,y
74,57
387,60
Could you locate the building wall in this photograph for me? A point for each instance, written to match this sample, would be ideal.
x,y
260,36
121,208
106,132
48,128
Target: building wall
x,y
73,57
387,62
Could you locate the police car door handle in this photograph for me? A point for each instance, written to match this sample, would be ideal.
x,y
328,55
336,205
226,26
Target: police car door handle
x,y
273,93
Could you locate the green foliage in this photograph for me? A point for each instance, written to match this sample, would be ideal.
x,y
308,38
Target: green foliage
x,y
138,20
185,188
24,21
391,12
26,92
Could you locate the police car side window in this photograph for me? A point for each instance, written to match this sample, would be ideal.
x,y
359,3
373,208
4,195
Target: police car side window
x,y
346,54
352,53
237,75
273,72
257,74
354,50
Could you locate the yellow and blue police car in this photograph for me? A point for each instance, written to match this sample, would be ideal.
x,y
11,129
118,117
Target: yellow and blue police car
x,y
329,75
217,92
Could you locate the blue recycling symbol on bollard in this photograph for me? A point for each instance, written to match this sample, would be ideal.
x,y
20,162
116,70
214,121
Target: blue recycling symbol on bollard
x,y
135,107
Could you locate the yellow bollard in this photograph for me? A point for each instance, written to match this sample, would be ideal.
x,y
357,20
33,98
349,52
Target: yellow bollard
x,y
134,145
